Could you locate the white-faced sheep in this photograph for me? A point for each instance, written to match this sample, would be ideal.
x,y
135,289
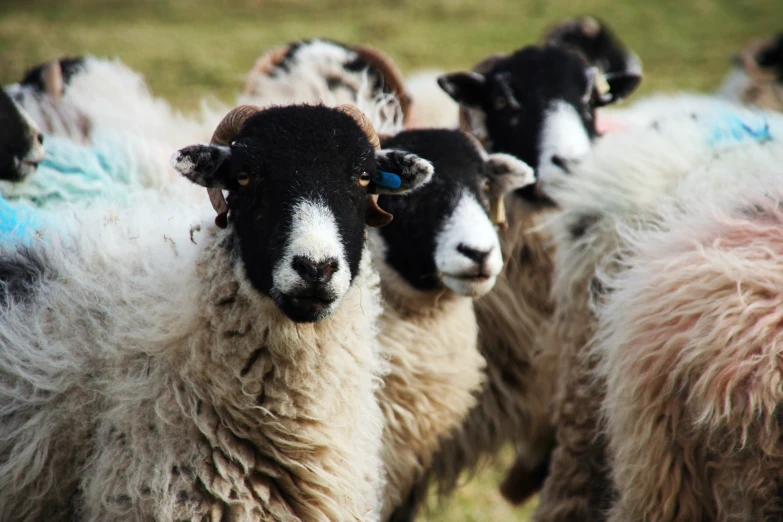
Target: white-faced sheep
x,y
152,371
439,253
624,180
557,88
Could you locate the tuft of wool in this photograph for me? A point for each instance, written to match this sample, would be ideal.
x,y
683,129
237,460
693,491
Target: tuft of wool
x,y
689,340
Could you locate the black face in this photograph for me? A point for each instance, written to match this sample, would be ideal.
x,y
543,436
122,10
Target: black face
x,y
419,216
772,57
298,181
69,66
520,91
16,141
321,161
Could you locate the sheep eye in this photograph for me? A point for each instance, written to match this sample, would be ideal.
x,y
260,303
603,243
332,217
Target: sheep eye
x,y
500,103
485,187
364,179
243,179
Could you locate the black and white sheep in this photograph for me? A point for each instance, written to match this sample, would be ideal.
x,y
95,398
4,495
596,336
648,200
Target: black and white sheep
x,y
156,367
537,105
21,143
439,253
333,73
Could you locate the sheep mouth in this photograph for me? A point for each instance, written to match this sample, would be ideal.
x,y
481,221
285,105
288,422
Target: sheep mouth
x,y
469,284
25,167
479,277
306,307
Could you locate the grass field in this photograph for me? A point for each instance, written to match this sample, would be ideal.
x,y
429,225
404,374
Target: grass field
x,y
188,50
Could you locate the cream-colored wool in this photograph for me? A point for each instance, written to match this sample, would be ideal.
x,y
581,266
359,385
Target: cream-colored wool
x,y
690,347
145,379
624,181
513,405
430,339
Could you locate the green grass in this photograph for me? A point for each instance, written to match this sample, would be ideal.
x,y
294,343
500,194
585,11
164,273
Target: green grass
x,y
188,50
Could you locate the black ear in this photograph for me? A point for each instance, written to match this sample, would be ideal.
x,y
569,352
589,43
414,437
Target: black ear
x,y
205,165
399,171
622,84
465,87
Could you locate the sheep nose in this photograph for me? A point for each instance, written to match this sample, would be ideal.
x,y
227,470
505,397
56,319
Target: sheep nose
x,y
474,254
315,273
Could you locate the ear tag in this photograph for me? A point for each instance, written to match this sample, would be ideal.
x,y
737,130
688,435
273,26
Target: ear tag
x,y
497,213
387,179
601,84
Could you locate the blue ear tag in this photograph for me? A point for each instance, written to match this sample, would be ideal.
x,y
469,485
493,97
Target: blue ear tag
x,y
387,179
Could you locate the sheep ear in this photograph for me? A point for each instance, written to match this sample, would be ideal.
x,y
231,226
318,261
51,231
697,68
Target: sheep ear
x,y
465,87
505,173
623,84
620,84
205,165
399,171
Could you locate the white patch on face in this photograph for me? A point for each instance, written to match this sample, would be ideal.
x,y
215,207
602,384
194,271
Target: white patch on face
x,y
469,227
563,135
35,155
314,236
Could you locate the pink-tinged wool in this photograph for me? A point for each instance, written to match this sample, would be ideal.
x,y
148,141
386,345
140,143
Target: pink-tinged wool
x,y
690,339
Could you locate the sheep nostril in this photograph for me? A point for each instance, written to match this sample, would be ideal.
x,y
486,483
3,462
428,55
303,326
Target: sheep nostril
x,y
313,272
561,162
479,256
40,138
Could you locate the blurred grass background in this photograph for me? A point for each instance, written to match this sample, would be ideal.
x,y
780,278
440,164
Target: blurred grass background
x,y
191,49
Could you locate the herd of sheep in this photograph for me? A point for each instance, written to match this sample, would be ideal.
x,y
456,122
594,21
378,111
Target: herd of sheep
x,y
394,279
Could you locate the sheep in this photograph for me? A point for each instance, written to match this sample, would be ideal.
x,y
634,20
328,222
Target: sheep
x,y
78,98
598,44
688,348
439,253
757,78
623,181
330,72
157,367
514,405
21,142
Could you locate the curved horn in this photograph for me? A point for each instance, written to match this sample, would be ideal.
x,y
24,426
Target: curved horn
x,y
364,123
264,65
483,67
52,76
390,73
226,131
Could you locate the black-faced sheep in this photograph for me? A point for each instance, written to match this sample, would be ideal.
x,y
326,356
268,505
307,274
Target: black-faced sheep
x,y
157,368
536,104
21,143
439,252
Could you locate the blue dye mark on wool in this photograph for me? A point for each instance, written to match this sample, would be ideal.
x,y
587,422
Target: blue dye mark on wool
x,y
387,179
74,173
18,223
729,128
